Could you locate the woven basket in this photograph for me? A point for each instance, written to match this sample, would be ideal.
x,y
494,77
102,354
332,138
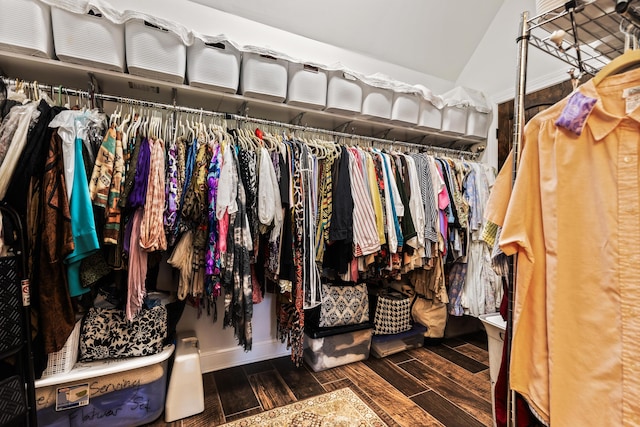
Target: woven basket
x,y
62,361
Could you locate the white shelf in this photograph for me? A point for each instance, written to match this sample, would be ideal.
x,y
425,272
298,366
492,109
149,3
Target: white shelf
x,y
55,73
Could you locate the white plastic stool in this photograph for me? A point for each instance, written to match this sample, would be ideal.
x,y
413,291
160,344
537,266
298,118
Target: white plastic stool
x,y
185,396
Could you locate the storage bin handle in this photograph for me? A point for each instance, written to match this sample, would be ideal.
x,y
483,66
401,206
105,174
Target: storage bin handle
x,y
92,12
310,68
218,45
273,58
348,76
149,24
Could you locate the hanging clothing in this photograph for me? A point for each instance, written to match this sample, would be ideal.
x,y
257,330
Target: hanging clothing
x,y
171,195
365,234
100,182
32,160
138,195
576,243
10,151
152,237
212,256
85,237
56,311
112,210
137,268
338,253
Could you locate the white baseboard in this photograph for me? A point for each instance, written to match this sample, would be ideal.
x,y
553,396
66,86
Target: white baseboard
x,y
215,360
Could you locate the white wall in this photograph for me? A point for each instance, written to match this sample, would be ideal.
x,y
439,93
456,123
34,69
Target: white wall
x,y
492,67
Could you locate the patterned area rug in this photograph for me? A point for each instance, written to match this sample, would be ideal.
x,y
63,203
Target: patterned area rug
x,y
337,408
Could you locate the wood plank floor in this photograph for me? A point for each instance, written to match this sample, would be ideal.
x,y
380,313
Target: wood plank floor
x,y
438,385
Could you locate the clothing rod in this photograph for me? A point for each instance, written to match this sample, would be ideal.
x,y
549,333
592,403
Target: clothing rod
x,y
349,135
63,91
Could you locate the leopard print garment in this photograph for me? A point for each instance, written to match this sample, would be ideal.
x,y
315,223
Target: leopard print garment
x,y
297,332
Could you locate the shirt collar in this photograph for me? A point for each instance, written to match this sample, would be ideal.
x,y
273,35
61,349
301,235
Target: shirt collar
x,y
601,122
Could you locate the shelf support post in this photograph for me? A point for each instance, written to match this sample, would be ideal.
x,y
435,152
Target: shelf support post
x,y
518,128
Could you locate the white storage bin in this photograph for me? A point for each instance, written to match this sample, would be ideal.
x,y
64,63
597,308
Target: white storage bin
x,y
478,123
376,102
430,116
213,66
496,328
470,106
154,52
454,119
263,76
344,93
88,39
479,117
406,107
25,27
307,86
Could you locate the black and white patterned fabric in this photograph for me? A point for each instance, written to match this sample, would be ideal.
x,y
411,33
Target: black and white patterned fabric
x,y
107,334
392,314
344,305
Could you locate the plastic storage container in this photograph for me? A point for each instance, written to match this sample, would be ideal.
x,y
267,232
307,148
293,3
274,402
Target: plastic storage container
x,y
454,119
307,86
154,52
386,345
376,102
495,327
330,347
213,66
406,108
479,118
263,76
467,112
25,27
106,393
344,93
88,39
430,116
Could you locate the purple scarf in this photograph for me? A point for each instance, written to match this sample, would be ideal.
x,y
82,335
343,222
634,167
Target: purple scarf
x,y
138,193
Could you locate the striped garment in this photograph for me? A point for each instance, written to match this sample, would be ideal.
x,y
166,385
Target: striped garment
x,y
365,233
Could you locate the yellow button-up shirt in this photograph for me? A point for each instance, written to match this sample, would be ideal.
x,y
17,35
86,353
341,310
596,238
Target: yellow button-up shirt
x,y
573,218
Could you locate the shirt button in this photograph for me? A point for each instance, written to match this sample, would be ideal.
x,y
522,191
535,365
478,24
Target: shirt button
x,y
626,159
